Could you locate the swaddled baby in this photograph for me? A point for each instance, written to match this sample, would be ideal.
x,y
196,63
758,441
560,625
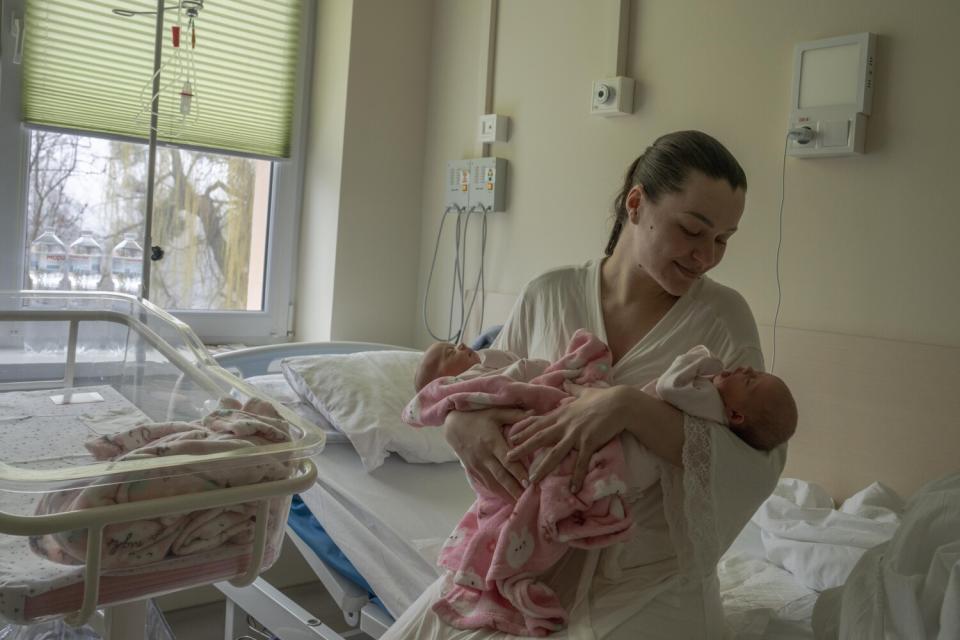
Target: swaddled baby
x,y
548,519
757,406
499,550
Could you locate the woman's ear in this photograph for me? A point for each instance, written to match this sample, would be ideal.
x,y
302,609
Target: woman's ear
x,y
635,197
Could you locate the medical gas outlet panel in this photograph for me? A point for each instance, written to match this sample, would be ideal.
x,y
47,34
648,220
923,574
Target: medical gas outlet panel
x,y
476,185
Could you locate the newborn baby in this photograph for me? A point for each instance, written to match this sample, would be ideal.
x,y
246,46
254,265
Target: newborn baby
x,y
757,406
443,359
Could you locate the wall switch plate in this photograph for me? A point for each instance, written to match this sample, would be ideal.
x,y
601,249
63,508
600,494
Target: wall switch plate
x,y
612,97
494,128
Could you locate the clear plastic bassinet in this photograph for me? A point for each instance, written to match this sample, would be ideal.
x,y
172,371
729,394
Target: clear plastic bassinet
x,y
78,530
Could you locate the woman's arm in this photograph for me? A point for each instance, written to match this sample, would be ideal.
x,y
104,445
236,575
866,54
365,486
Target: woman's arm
x,y
592,419
656,424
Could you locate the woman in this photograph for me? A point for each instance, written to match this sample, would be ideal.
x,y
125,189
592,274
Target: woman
x,y
649,300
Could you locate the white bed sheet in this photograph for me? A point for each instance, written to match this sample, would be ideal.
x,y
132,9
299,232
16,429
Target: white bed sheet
x,y
761,600
391,523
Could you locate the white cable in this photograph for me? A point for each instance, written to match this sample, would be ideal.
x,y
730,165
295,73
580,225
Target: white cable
x,y
433,264
463,274
481,284
481,279
456,274
461,233
783,182
476,287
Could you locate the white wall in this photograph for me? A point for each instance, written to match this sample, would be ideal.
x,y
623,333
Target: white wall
x,y
870,242
324,158
360,230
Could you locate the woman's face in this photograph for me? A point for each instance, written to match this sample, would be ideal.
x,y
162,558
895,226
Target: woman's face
x,y
683,235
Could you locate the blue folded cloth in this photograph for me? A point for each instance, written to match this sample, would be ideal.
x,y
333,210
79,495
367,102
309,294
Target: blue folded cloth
x,y
486,338
312,532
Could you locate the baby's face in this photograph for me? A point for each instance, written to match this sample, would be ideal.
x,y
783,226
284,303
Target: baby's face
x,y
743,388
445,359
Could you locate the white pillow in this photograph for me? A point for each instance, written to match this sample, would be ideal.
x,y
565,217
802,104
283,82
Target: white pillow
x,y
362,395
275,386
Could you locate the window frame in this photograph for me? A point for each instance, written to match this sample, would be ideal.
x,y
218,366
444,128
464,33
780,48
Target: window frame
x,y
271,324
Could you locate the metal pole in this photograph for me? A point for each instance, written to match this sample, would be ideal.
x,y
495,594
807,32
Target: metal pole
x,y
152,157
71,356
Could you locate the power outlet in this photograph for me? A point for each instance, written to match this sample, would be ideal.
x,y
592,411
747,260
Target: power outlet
x,y
458,185
488,184
612,97
837,133
478,184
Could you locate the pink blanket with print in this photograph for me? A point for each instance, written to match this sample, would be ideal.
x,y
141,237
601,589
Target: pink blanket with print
x,y
499,549
131,544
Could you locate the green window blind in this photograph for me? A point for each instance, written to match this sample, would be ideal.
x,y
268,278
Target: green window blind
x,y
89,70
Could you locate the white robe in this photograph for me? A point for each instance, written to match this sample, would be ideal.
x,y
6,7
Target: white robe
x,y
663,582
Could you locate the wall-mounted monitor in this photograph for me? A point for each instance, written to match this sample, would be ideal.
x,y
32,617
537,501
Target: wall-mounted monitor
x,y
832,93
834,72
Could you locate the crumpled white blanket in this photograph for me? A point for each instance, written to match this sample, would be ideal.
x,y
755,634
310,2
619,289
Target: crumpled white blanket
x,y
803,533
908,587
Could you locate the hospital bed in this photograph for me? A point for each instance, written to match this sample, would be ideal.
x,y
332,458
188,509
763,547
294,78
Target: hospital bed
x,y
389,524
74,367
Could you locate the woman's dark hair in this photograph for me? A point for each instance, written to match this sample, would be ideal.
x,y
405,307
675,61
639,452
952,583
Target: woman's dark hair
x,y
665,165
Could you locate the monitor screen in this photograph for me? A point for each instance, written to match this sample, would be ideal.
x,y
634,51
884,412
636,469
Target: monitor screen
x,y
829,76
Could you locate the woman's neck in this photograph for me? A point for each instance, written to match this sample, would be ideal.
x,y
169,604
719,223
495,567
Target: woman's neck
x,y
624,284
632,303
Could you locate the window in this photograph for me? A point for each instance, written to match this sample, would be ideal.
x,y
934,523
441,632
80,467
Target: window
x,y
228,170
210,215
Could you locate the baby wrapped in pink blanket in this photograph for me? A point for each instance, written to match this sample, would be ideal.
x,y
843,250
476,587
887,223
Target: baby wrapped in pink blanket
x,y
499,548
131,544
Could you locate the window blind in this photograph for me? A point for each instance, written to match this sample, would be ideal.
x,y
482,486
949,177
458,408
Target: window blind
x,y
89,70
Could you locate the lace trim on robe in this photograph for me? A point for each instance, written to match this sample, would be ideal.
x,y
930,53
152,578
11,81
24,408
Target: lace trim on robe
x,y
688,502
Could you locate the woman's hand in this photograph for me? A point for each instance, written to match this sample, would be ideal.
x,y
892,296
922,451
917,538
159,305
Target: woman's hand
x,y
477,439
584,424
593,418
